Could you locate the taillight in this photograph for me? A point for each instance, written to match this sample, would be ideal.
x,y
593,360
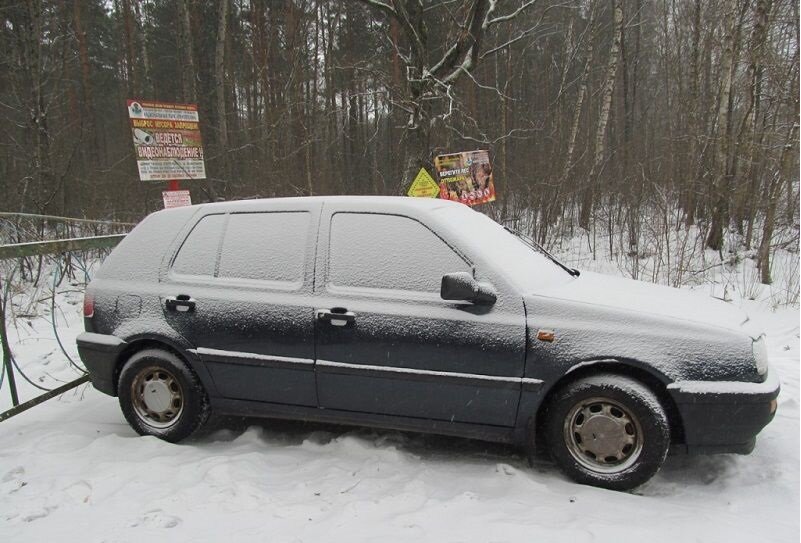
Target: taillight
x,y
88,305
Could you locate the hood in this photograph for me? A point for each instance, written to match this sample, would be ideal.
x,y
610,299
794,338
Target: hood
x,y
648,298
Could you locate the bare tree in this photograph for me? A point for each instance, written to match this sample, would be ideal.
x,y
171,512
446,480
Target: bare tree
x,y
427,79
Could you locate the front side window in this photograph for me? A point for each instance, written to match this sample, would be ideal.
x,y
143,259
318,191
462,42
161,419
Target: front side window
x,y
374,251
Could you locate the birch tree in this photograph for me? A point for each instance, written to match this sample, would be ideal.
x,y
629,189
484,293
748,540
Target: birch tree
x,y
603,118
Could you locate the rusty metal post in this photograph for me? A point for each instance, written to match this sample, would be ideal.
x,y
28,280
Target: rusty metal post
x,y
9,366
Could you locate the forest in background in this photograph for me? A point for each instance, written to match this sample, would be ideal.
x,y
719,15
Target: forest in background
x,y
597,114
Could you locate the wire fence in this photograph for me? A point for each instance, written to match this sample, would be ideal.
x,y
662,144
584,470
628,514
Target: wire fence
x,y
37,255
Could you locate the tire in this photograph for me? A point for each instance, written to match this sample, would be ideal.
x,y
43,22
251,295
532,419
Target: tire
x,y
160,396
608,431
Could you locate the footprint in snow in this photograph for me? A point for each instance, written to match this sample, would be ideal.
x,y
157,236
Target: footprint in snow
x,y
506,469
80,491
156,519
14,473
39,513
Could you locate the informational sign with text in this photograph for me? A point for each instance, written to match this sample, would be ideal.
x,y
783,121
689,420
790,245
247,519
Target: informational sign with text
x,y
176,198
166,140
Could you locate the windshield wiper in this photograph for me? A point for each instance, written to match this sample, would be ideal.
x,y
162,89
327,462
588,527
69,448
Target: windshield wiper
x,y
537,247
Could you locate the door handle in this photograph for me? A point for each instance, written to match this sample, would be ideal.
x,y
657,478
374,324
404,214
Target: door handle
x,y
183,303
336,316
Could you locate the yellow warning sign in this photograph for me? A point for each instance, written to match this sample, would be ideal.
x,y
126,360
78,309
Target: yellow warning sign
x,y
424,186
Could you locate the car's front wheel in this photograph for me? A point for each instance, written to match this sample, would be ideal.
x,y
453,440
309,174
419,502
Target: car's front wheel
x,y
607,430
160,396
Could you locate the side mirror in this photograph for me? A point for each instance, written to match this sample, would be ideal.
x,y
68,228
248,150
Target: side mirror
x,y
462,286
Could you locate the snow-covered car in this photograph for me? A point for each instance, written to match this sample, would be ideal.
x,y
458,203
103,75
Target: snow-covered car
x,y
421,315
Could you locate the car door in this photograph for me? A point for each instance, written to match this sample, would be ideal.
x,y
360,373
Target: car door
x,y
388,344
238,290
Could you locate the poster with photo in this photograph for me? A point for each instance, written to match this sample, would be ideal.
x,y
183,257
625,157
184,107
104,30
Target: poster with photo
x,y
466,177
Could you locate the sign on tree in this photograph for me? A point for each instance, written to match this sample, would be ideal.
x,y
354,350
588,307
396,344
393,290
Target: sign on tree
x,y
423,186
466,177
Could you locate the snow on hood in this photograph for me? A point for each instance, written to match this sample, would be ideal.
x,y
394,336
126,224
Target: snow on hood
x,y
649,298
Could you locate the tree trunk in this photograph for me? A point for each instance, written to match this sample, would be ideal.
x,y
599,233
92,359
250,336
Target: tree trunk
x,y
785,170
694,159
219,90
751,131
603,119
131,69
28,33
714,239
418,152
188,84
91,149
142,37
574,128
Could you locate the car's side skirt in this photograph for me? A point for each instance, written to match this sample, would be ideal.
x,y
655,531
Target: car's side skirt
x,y
301,413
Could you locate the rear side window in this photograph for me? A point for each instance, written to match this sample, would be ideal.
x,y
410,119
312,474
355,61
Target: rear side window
x,y
388,252
265,246
255,246
198,254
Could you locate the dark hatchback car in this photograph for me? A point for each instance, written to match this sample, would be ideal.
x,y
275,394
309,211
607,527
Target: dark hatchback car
x,y
416,314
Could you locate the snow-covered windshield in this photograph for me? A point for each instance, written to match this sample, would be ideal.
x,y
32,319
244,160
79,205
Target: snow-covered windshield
x,y
528,269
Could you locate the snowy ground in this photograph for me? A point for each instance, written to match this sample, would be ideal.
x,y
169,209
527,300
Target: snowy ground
x,y
72,469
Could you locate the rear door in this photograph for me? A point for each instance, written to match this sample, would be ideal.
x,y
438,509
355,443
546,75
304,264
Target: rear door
x,y
388,344
238,290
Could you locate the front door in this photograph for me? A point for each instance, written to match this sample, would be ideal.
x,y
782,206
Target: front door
x,y
388,344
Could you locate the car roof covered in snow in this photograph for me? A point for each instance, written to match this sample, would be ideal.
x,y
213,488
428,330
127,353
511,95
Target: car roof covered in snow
x,y
401,202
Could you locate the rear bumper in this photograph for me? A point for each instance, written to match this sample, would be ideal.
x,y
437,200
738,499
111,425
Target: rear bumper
x,y
99,353
724,417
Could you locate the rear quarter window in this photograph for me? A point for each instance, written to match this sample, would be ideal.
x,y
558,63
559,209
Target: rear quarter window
x,y
198,254
139,256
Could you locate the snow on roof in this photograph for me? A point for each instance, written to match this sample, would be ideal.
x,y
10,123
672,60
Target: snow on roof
x,y
404,201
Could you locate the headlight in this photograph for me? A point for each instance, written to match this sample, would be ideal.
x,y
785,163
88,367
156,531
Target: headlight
x,y
761,355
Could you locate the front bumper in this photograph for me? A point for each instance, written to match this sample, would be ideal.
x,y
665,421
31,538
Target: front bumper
x,y
99,353
724,416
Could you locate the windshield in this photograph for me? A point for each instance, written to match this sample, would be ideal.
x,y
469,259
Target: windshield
x,y
528,269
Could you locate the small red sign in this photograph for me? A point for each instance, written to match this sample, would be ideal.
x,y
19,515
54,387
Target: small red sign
x,y
176,198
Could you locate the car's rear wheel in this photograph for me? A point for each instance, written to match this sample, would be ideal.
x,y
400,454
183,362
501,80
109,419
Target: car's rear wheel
x,y
607,430
160,396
